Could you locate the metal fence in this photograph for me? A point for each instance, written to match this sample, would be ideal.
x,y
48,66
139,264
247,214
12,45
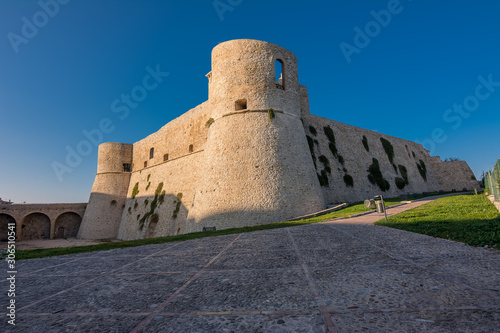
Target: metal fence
x,y
492,181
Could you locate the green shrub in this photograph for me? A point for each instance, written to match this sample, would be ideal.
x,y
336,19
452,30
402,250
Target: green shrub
x,y
365,143
422,169
154,218
389,149
400,183
159,188
329,134
404,173
313,130
333,149
310,143
341,159
326,163
375,176
135,190
270,115
161,198
209,122
323,178
149,176
349,182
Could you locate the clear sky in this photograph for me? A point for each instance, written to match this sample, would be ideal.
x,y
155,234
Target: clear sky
x,y
423,70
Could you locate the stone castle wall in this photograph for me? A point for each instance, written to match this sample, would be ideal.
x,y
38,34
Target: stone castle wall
x,y
357,160
261,158
453,175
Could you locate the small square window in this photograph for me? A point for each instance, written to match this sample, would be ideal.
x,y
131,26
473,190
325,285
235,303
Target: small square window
x,y
145,164
190,148
127,167
165,157
240,104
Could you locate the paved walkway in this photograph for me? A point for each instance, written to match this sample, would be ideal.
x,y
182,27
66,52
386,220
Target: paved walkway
x,y
341,276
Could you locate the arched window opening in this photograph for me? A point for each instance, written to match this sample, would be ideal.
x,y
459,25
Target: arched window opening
x,y
279,70
240,104
165,157
145,164
151,153
190,148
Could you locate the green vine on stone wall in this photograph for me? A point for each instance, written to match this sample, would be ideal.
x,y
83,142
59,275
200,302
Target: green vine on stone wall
x,y
422,169
329,134
402,182
270,115
375,176
365,143
349,182
135,190
209,122
177,205
310,143
313,130
323,178
389,150
152,208
326,163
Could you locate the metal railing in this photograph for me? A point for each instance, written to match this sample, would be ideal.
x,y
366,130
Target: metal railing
x,y
492,181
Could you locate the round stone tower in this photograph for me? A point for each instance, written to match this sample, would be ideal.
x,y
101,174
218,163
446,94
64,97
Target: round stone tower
x,y
258,167
107,199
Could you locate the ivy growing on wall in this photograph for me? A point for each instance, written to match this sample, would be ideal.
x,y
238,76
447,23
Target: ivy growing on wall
x,y
135,190
323,178
389,150
153,206
329,134
313,130
375,176
177,205
270,115
349,182
365,143
402,182
310,143
209,122
326,163
404,173
422,169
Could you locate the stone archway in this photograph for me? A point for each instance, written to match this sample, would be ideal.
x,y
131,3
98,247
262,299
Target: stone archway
x,y
67,225
5,219
35,226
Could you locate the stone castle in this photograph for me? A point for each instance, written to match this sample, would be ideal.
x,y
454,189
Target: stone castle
x,y
252,154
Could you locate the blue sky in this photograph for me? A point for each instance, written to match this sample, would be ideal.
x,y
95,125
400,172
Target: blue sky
x,y
62,68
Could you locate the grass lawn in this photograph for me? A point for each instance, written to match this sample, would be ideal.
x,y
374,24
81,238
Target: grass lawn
x,y
471,219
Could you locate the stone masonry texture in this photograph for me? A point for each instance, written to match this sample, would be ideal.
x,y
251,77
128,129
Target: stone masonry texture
x,y
252,154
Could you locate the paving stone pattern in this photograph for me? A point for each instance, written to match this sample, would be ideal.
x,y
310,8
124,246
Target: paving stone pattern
x,y
330,277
